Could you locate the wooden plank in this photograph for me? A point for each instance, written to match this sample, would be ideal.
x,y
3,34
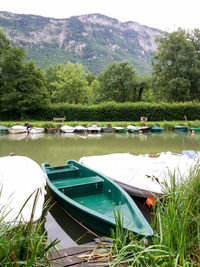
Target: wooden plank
x,y
87,255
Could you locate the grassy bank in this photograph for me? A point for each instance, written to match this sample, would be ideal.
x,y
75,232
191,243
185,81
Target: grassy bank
x,y
176,224
23,244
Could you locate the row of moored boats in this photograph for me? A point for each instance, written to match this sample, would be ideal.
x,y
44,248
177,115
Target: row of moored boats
x,y
93,129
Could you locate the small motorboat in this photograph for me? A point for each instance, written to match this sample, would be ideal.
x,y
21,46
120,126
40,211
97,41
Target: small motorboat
x,y
80,129
67,129
145,129
194,129
94,199
22,183
16,129
35,130
133,129
157,129
180,128
121,130
94,129
3,129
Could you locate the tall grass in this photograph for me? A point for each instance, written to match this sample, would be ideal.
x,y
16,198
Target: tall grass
x,y
176,221
23,244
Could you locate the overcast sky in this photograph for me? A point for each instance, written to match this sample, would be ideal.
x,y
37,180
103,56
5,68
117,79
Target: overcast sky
x,y
162,14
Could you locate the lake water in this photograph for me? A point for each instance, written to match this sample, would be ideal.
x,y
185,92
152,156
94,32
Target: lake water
x,y
58,148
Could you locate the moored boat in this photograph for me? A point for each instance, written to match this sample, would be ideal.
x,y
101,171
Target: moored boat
x,y
94,129
121,130
35,130
80,129
133,129
22,183
157,129
3,129
94,199
17,129
194,129
180,128
145,129
67,129
142,175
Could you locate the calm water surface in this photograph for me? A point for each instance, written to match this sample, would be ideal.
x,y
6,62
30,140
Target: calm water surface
x,y
58,148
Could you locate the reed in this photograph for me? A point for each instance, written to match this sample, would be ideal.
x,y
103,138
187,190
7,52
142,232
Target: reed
x,y
24,244
176,221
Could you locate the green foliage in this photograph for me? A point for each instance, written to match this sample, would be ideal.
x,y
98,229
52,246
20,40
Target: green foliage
x,y
176,66
23,244
67,83
21,84
118,83
118,112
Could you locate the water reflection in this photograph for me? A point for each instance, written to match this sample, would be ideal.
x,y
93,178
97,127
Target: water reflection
x,y
60,225
17,137
35,136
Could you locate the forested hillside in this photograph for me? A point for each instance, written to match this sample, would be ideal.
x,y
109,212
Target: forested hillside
x,y
93,40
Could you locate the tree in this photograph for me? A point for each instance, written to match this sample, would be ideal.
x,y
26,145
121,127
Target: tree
x,y
67,83
22,85
117,82
176,66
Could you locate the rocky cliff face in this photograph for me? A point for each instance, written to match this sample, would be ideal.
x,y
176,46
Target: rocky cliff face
x,y
93,40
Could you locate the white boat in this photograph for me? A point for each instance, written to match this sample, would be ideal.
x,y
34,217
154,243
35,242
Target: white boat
x,y
17,129
67,129
21,180
141,175
94,129
35,130
80,129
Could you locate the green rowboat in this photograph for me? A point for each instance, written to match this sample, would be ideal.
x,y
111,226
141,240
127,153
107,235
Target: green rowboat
x,y
92,198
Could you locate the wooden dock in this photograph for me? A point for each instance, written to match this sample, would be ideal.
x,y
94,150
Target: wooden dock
x,y
87,255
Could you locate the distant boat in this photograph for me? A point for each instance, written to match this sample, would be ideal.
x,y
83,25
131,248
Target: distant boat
x,y
35,130
157,129
133,129
194,129
80,129
145,129
67,129
121,130
94,199
180,128
137,129
3,129
17,129
94,129
20,178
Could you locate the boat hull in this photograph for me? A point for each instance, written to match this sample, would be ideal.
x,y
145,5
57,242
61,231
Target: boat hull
x,y
92,198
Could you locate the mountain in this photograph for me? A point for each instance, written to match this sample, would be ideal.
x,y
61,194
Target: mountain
x,y
93,40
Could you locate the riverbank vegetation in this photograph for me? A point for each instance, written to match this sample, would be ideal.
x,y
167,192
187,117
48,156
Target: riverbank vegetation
x,y
69,90
176,224
24,244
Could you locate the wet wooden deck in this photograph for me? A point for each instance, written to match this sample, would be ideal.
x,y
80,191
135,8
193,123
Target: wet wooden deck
x,y
87,255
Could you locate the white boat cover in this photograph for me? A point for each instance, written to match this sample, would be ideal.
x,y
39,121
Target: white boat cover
x,y
20,177
141,175
67,129
35,130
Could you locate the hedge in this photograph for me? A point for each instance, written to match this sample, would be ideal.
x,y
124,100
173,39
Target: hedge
x,y
113,112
